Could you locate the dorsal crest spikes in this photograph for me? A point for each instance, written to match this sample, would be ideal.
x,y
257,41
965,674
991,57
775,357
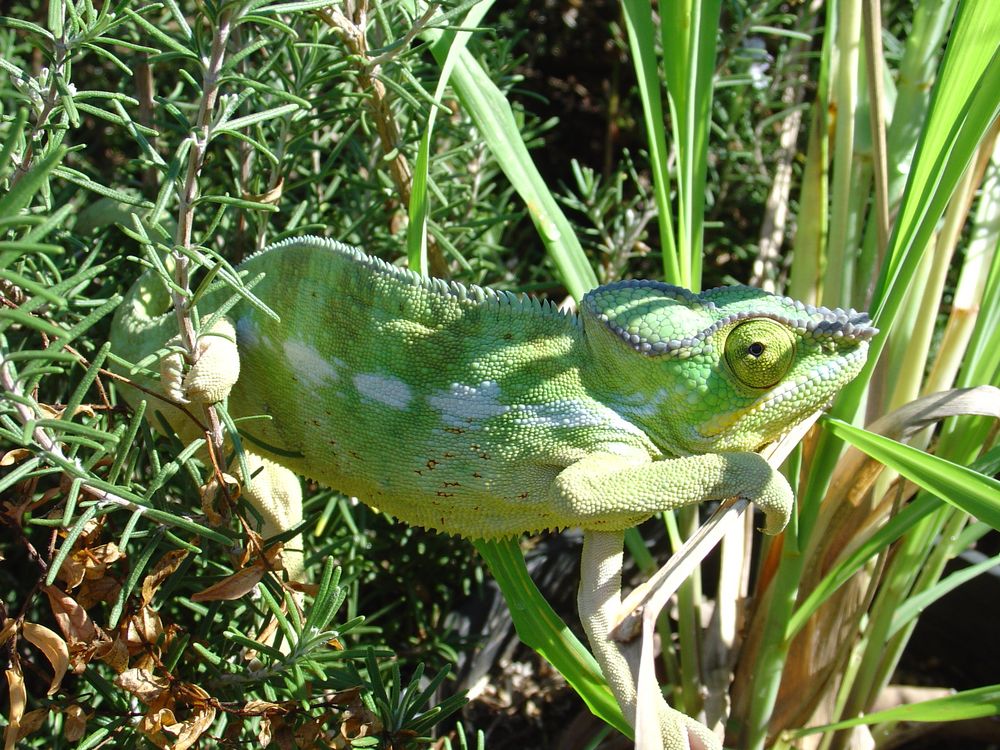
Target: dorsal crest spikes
x,y
471,294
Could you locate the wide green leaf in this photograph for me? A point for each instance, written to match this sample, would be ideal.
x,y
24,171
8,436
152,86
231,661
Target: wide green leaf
x,y
967,490
542,630
493,116
969,704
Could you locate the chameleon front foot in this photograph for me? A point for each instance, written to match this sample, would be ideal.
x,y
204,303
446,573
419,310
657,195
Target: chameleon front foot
x,y
213,374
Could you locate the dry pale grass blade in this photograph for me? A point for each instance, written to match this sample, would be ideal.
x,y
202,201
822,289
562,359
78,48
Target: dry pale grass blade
x,y
54,648
722,633
849,516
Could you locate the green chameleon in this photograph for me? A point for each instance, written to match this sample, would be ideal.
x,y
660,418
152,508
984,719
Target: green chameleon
x,y
487,414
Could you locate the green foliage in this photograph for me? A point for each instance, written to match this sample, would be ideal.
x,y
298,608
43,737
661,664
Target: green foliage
x,y
185,135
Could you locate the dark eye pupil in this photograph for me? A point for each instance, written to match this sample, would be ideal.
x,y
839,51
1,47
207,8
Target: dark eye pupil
x,y
756,349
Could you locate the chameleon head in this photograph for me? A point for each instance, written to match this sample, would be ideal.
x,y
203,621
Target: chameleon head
x,y
728,369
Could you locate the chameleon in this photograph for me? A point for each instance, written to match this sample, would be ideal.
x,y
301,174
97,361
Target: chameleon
x,y
488,414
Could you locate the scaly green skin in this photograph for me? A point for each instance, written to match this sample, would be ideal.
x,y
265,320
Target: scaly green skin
x,y
485,414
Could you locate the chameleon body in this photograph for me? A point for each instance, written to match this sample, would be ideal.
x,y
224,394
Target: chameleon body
x,y
486,414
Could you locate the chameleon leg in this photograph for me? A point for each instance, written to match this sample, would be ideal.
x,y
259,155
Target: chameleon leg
x,y
272,489
610,491
599,600
276,493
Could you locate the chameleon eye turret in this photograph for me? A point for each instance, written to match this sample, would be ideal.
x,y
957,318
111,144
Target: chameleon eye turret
x,y
759,352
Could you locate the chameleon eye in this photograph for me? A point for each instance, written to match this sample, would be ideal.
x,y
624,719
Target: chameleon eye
x,y
760,352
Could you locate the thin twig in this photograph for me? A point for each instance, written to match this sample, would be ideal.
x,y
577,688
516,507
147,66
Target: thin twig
x,y
48,104
185,218
48,444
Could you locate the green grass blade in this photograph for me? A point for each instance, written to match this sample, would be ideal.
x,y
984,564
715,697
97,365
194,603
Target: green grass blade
x,y
915,605
963,105
493,116
968,490
416,232
641,36
969,704
898,525
542,629
689,30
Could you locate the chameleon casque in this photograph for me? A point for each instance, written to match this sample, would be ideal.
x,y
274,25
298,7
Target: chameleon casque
x,y
487,414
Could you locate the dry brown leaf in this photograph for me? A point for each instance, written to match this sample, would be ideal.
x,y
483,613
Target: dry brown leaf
x,y
254,543
88,562
258,707
72,570
210,492
144,631
189,730
313,733
165,567
8,629
54,648
99,590
143,684
18,697
72,619
55,412
190,693
270,197
99,558
91,531
82,636
75,722
153,724
283,736
32,722
264,735
358,720
114,654
234,586
14,455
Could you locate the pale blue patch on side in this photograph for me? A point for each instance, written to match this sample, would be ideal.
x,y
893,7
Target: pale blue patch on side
x,y
313,370
574,413
626,450
641,404
384,389
462,405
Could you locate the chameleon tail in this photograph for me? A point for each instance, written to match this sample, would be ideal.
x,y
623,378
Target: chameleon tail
x,y
599,600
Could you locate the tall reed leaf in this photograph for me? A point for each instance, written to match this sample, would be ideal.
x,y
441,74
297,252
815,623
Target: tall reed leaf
x,y
494,117
968,490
